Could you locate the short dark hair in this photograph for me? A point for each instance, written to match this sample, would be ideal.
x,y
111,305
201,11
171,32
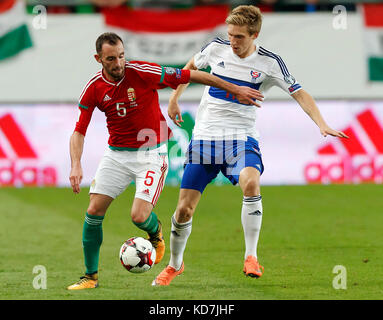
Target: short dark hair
x,y
107,37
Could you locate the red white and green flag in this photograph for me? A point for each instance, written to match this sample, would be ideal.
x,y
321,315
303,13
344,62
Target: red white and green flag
x,y
167,37
14,34
373,35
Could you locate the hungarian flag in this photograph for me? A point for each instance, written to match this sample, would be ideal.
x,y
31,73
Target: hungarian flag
x,y
14,34
373,34
168,37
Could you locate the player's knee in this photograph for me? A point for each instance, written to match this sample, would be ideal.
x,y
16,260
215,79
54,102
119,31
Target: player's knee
x,y
95,211
138,216
251,187
140,210
184,213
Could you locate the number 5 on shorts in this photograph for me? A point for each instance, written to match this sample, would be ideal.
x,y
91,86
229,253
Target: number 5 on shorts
x,y
149,179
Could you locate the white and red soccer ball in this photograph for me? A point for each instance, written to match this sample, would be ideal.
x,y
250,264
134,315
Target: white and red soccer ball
x,y
137,255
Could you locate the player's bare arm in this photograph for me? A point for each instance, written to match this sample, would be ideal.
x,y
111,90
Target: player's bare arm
x,y
76,147
174,111
243,94
307,102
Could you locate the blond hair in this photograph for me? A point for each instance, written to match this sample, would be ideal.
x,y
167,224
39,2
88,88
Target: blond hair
x,y
249,16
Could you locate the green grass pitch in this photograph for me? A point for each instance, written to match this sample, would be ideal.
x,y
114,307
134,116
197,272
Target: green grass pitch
x,y
306,232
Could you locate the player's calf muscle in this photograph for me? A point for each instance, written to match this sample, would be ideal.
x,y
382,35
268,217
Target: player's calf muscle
x,y
187,204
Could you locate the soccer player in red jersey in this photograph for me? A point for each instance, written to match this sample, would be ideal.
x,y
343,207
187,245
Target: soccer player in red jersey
x,y
126,91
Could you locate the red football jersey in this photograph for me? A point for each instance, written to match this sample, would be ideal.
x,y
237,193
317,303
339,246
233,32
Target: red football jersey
x,y
131,106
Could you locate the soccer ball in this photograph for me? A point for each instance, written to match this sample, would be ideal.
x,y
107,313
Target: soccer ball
x,y
137,255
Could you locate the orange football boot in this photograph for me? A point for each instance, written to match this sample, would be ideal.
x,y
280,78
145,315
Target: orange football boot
x,y
158,242
167,275
252,267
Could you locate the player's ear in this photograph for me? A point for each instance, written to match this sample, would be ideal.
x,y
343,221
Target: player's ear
x,y
98,58
255,35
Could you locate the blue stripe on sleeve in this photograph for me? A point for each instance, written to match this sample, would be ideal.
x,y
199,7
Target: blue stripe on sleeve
x,y
282,65
216,40
223,95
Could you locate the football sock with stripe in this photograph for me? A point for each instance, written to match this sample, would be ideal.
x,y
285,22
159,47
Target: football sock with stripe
x,y
251,218
91,242
150,225
179,235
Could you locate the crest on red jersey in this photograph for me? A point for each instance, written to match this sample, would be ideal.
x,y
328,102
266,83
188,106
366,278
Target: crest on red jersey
x,y
132,97
131,94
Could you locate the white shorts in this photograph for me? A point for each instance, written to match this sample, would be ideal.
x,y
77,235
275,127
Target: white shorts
x,y
117,169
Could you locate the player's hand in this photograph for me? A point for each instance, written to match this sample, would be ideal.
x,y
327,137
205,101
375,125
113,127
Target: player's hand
x,y
174,113
248,95
328,131
75,178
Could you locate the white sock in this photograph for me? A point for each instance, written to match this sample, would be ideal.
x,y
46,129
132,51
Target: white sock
x,y
251,218
179,235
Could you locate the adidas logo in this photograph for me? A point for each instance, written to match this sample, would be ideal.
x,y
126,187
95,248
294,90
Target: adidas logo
x,y
255,213
221,64
18,146
175,233
15,146
146,191
354,160
107,98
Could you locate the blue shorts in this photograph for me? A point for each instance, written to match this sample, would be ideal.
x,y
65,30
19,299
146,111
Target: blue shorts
x,y
205,159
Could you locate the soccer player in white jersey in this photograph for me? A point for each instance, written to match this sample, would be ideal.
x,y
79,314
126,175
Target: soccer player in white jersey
x,y
225,136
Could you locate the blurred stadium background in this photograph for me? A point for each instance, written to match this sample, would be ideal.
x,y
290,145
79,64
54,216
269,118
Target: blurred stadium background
x,y
333,48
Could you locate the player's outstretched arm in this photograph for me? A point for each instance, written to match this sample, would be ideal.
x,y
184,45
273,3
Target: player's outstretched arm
x,y
174,110
76,146
243,94
308,104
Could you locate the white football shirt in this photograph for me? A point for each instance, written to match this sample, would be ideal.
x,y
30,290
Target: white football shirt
x,y
220,115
